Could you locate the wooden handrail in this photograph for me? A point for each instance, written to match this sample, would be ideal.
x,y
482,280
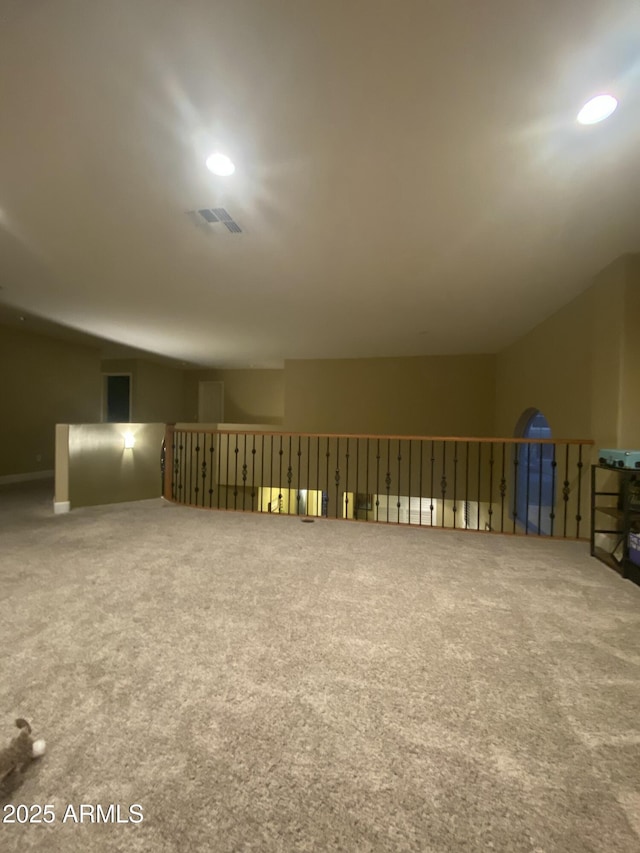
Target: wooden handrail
x,y
460,438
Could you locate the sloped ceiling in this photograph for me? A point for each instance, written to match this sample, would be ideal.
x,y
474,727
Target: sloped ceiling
x,y
410,178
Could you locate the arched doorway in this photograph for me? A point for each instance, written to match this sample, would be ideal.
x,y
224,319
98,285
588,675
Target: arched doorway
x,y
535,486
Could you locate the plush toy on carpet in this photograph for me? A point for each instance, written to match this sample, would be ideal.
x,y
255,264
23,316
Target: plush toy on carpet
x,y
16,757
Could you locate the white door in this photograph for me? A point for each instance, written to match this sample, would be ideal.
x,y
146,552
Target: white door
x,y
211,402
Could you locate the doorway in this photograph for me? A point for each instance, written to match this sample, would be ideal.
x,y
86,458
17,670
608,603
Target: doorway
x,y
211,402
116,398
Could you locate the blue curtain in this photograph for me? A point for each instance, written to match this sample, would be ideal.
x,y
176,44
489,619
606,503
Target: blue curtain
x,y
535,487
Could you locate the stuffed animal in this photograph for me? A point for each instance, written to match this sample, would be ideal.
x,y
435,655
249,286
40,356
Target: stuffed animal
x,y
16,757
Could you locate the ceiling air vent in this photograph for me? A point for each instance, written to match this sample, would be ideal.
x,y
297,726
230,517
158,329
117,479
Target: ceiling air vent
x,y
208,215
212,219
222,214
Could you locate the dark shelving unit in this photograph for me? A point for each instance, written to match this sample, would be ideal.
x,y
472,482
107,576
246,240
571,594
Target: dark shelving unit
x,y
615,512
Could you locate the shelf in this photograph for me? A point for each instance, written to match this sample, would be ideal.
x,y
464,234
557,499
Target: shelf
x,y
624,517
610,510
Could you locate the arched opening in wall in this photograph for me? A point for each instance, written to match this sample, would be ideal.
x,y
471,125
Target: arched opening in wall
x,y
535,487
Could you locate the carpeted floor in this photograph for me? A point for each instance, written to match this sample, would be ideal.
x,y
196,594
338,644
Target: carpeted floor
x,y
261,684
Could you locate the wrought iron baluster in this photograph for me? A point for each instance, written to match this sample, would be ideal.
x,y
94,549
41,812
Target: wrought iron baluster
x,y
540,448
420,486
566,490
226,480
337,478
236,451
378,481
491,463
328,454
318,487
398,502
479,480
299,481
443,479
467,493
432,492
289,477
580,466
355,494
367,493
387,479
197,469
516,484
554,465
253,472
503,487
261,487
455,482
308,473
409,485
185,473
204,467
271,437
218,478
346,482
191,468
163,465
526,522
211,458
175,464
280,454
244,471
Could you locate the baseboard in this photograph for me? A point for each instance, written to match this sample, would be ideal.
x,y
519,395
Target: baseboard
x,y
60,507
23,478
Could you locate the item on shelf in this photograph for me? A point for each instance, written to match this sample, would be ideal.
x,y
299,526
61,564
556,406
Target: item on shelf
x,y
620,458
634,495
634,548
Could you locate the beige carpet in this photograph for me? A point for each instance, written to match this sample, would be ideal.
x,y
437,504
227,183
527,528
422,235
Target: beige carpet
x,y
261,684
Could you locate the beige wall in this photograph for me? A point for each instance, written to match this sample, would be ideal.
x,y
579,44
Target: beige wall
x,y
581,366
102,471
424,395
629,430
607,295
156,390
550,369
250,396
42,381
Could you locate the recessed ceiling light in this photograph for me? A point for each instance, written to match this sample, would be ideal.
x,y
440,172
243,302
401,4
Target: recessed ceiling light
x,y
597,109
220,164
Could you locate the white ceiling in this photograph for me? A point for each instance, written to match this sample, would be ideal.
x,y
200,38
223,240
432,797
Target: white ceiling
x,y
410,178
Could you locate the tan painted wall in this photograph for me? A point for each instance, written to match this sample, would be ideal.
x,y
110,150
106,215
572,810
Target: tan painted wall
x,y
102,471
250,396
424,395
43,381
550,369
607,339
630,371
581,367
